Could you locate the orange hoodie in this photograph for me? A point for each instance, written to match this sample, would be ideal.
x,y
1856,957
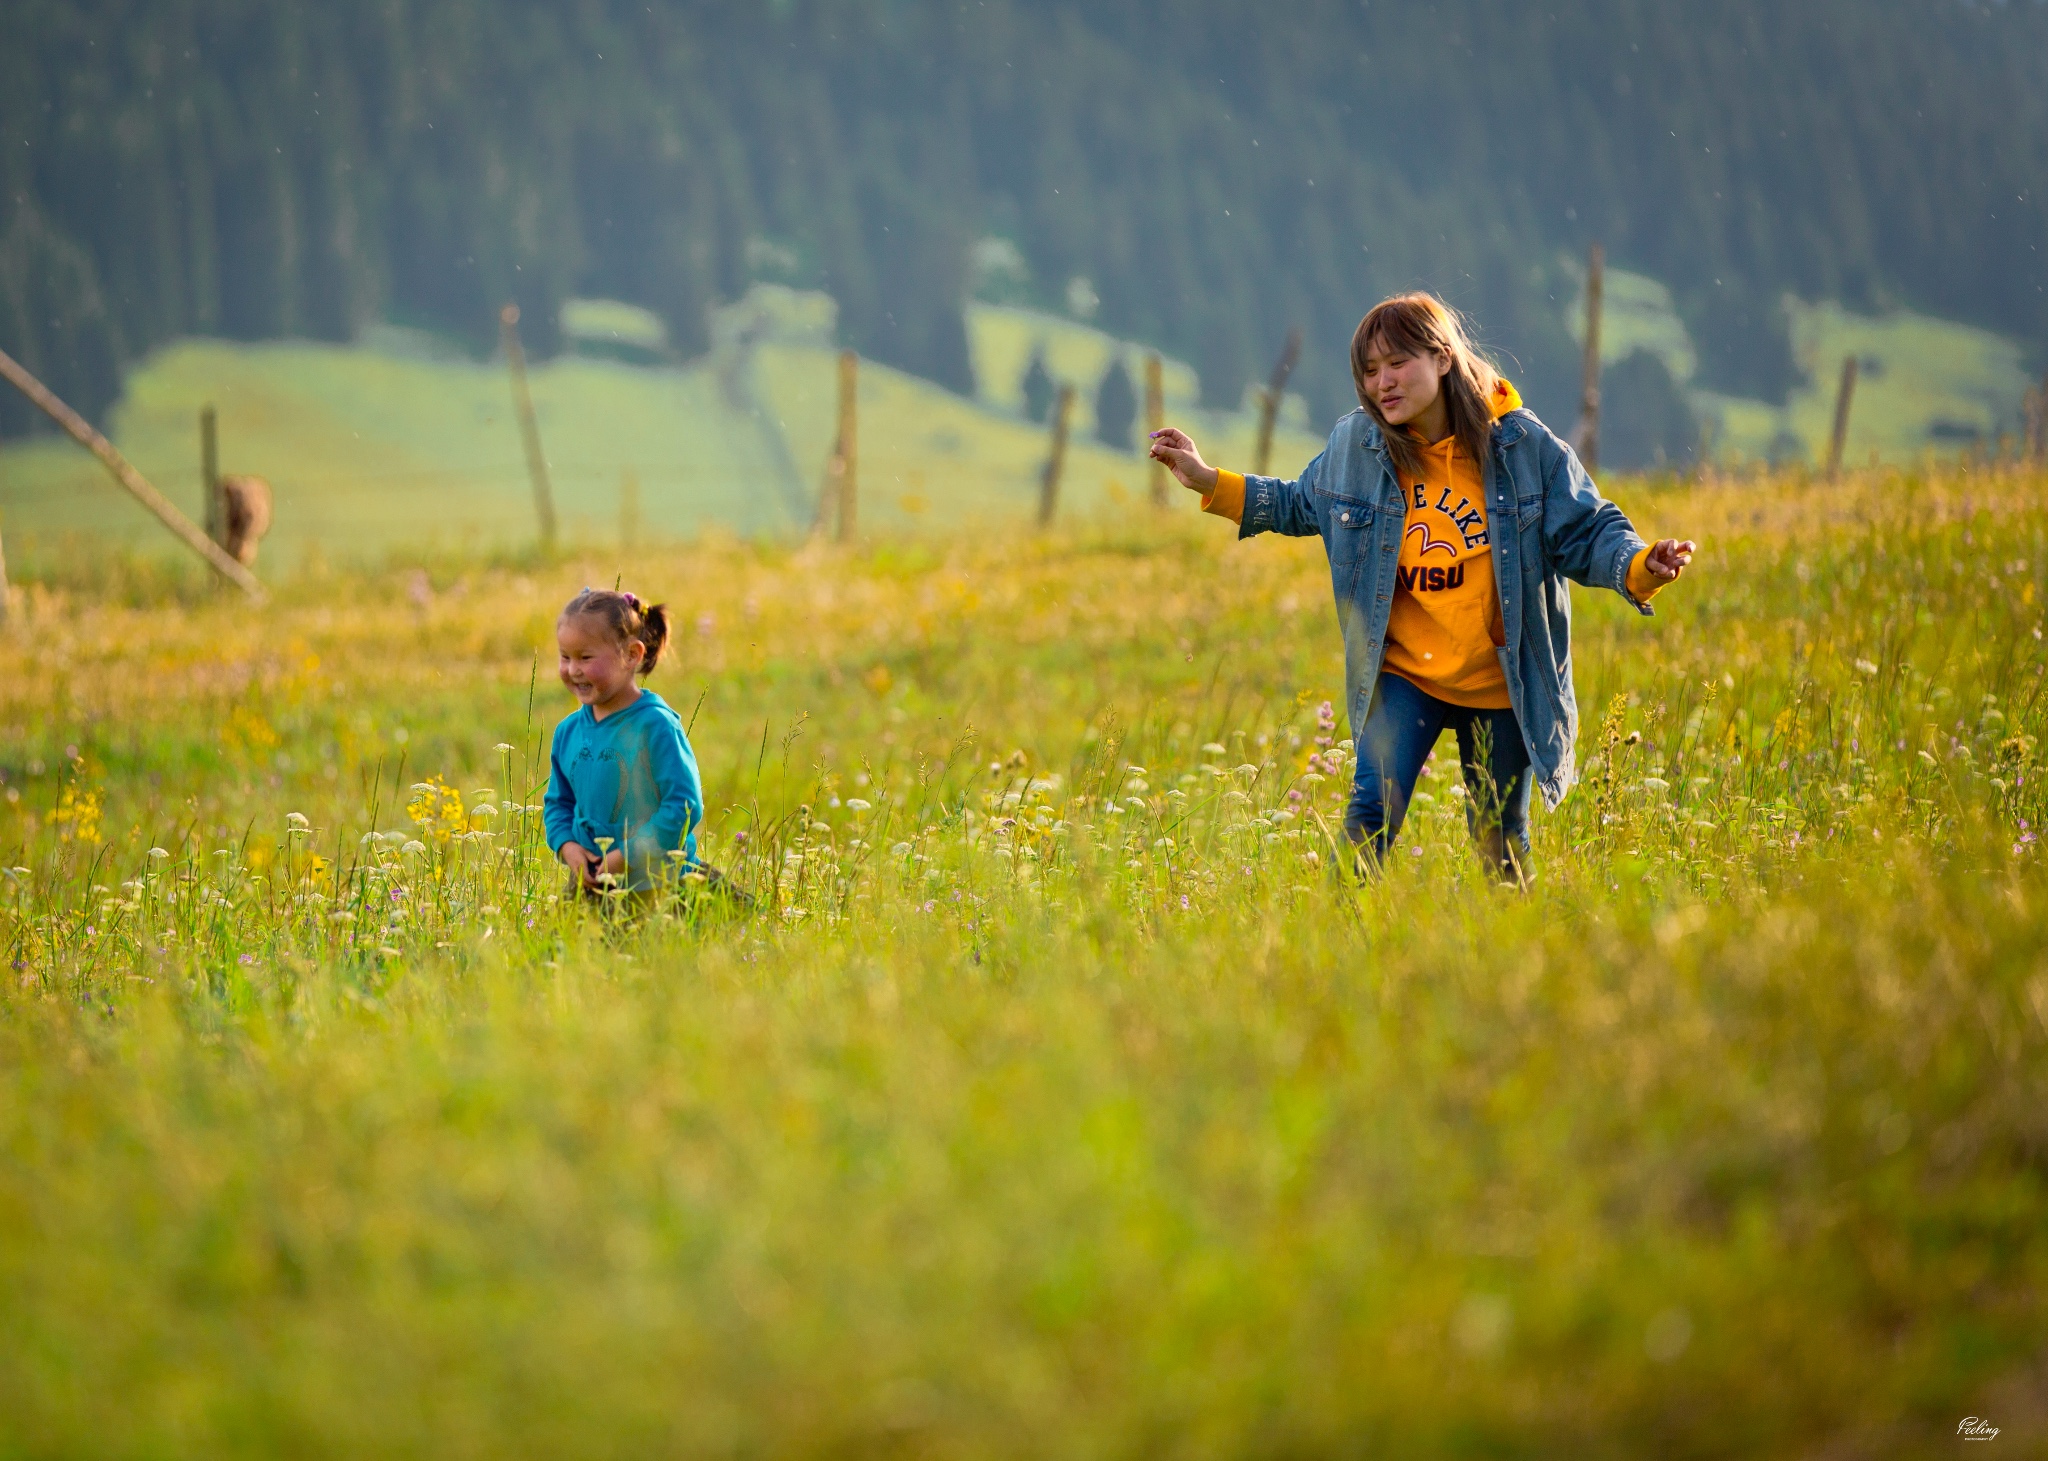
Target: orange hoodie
x,y
1444,625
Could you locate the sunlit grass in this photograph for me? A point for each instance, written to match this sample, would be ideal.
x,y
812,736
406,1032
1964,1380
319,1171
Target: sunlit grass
x,y
1062,1091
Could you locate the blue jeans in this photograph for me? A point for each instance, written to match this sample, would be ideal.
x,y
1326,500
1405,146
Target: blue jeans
x,y
1400,729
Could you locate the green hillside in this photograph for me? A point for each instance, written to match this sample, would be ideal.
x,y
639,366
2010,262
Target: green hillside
x,y
1925,384
399,443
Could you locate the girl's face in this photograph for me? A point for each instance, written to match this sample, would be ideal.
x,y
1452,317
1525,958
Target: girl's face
x,y
597,668
1403,386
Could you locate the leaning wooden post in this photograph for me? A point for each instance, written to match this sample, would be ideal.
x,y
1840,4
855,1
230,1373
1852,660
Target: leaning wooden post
x,y
1269,404
1155,419
529,426
1589,393
209,475
849,445
5,591
1049,484
1838,438
79,430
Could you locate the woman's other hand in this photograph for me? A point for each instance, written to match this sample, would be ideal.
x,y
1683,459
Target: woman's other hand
x,y
1668,556
1176,449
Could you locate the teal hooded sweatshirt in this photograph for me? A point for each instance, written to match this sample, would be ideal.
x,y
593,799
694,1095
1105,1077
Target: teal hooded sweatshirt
x,y
630,778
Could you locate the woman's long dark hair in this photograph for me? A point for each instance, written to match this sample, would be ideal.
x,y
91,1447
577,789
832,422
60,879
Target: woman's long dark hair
x,y
1422,324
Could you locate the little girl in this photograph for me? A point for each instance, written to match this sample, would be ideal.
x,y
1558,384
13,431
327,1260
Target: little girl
x,y
1452,518
623,791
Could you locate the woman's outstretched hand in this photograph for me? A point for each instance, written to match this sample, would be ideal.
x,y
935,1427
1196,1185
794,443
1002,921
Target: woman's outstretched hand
x,y
1176,449
1668,556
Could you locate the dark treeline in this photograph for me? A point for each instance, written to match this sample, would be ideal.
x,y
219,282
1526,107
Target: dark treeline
x,y
263,168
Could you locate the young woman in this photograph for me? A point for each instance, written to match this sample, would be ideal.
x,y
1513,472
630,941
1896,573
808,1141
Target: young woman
x,y
1452,518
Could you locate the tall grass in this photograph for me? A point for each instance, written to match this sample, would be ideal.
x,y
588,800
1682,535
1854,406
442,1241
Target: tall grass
x,y
1062,1091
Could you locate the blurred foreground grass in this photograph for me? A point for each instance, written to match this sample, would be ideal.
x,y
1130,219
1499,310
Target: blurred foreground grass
x,y
1061,1098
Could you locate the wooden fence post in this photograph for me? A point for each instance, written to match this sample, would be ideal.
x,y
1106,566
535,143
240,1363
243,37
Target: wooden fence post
x,y
848,454
133,482
529,426
1155,418
1588,432
2037,441
1269,404
1049,484
6,590
1845,394
629,508
209,474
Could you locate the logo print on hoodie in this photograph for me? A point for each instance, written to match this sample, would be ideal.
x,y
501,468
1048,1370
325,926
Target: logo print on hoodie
x,y
1429,544
1464,518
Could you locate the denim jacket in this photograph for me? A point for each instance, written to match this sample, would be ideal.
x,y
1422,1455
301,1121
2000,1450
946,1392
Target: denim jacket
x,y
1546,522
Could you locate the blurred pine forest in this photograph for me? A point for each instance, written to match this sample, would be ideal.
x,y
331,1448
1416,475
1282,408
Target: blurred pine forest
x,y
267,168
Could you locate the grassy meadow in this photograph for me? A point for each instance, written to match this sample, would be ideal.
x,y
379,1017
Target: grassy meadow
x,y
1063,1094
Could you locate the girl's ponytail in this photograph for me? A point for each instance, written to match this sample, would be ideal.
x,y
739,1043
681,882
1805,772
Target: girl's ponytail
x,y
627,618
653,633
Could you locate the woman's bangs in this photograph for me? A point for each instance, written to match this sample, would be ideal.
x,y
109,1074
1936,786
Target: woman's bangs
x,y
1400,328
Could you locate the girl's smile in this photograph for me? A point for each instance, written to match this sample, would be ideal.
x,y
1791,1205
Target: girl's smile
x,y
598,670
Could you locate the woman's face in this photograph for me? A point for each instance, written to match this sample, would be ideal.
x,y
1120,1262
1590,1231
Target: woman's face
x,y
1402,386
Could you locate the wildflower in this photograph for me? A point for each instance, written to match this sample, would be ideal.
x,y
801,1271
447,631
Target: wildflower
x,y
414,849
297,820
503,748
158,854
1865,667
